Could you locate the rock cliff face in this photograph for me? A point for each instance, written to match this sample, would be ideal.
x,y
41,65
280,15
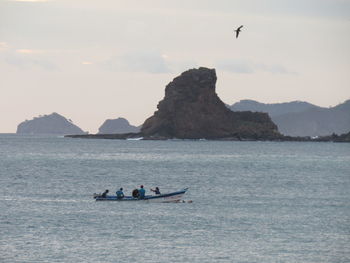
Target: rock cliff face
x,y
191,109
117,126
49,124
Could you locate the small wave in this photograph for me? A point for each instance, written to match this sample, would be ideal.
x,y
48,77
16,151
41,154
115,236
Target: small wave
x,y
134,139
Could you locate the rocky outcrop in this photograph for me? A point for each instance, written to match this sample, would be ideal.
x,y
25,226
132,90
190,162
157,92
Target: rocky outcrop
x,y
117,126
191,109
49,124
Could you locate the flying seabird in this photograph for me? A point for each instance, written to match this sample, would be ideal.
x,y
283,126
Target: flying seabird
x,y
238,30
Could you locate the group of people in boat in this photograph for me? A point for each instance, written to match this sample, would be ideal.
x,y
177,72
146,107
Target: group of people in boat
x,y
136,193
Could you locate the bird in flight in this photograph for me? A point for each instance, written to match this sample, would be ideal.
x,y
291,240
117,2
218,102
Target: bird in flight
x,y
238,30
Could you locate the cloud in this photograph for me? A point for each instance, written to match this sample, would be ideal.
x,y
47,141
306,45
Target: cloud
x,y
26,59
3,46
179,64
27,63
275,69
249,67
301,8
148,61
237,66
31,1
28,51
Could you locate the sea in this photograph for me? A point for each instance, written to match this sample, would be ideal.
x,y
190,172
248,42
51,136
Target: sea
x,y
246,202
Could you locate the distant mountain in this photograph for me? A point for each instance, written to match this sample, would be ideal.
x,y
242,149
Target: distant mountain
x,y
316,122
302,118
49,124
116,126
273,109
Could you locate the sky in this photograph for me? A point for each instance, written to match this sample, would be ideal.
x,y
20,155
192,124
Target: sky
x,y
92,60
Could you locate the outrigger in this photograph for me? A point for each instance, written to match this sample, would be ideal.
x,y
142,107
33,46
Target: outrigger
x,y
173,197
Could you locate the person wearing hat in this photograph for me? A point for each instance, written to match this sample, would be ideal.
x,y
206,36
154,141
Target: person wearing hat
x,y
142,192
120,194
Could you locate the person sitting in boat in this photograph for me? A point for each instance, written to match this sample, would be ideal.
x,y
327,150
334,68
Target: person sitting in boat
x,y
135,193
142,192
120,194
104,194
156,191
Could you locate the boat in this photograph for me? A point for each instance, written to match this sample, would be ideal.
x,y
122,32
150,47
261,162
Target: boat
x,y
173,197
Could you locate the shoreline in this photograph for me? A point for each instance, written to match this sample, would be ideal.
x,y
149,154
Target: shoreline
x,y
140,136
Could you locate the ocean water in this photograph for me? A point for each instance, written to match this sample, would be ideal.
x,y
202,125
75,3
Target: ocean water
x,y
252,201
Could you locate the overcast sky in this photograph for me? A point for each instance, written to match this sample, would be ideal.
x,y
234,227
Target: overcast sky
x,y
92,60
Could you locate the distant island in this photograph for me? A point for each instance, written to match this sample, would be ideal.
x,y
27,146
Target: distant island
x,y
54,124
117,126
298,118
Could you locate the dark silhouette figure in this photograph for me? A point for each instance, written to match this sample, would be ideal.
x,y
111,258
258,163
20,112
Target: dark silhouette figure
x,y
104,194
135,193
238,30
156,191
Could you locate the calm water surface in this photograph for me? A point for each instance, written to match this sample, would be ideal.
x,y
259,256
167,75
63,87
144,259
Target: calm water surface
x,y
252,201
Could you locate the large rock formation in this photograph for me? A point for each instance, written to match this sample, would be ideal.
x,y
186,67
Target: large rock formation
x,y
302,118
191,109
49,124
117,126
